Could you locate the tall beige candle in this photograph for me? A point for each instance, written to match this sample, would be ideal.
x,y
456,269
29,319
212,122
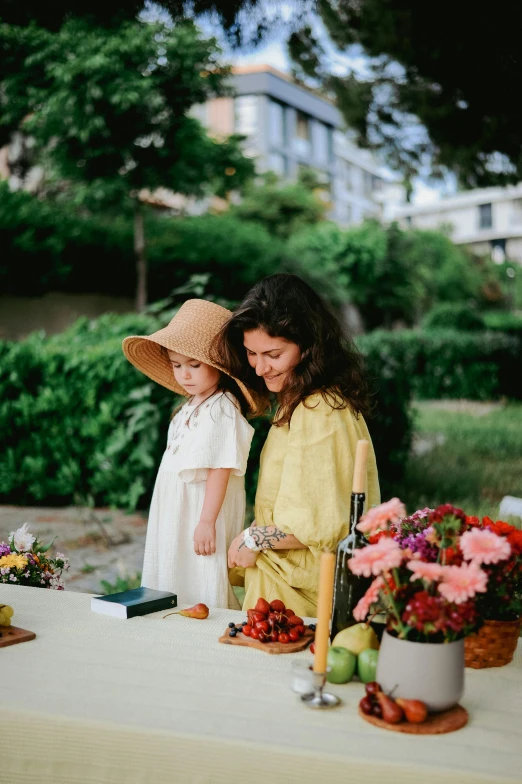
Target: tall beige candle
x,y
324,609
359,470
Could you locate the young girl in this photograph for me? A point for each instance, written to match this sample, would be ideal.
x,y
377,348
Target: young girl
x,y
198,505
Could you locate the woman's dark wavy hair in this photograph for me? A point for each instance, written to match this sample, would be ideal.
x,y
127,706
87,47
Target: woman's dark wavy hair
x,y
286,307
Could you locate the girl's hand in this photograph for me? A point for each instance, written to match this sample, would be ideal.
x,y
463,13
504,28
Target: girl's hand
x,y
240,555
205,538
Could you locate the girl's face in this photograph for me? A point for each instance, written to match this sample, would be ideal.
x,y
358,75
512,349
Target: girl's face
x,y
272,358
195,377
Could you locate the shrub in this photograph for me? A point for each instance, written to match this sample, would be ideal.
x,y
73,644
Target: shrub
x,y
79,424
451,315
452,364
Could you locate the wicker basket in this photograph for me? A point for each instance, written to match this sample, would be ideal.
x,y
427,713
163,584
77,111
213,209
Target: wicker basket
x,y
494,645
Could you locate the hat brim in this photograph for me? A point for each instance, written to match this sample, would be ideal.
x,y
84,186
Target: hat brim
x,y
147,354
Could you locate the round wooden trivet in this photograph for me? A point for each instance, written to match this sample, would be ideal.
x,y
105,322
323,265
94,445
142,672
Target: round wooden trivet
x,y
436,723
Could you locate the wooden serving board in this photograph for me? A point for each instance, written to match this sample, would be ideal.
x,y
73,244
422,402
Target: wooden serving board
x,y
269,647
436,724
10,635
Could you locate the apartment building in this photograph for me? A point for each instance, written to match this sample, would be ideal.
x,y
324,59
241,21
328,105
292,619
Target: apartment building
x,y
488,220
288,127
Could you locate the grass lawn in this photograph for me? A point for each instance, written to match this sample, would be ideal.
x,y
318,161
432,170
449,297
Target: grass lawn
x,y
468,454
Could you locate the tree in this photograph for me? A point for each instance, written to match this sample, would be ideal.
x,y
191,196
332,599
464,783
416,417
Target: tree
x,y
108,109
283,208
439,82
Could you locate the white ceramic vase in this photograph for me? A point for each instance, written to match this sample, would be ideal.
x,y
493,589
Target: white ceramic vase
x,y
431,672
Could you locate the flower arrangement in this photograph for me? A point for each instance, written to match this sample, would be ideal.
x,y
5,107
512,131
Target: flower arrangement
x,y
24,561
438,572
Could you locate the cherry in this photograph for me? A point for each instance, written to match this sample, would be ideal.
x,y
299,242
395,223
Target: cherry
x,y
247,630
289,613
295,620
262,626
277,605
262,637
258,616
366,705
255,633
300,629
372,687
284,638
312,648
262,606
377,710
294,634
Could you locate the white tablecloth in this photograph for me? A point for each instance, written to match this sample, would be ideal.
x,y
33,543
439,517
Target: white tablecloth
x,y
98,700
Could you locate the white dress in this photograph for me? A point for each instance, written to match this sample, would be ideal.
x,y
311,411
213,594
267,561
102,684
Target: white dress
x,y
212,435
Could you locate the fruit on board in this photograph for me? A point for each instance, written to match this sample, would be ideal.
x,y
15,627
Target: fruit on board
x,y
357,638
6,613
367,664
415,711
341,663
198,611
391,712
271,622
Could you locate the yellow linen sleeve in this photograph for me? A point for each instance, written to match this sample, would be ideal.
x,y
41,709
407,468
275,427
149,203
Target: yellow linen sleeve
x,y
313,502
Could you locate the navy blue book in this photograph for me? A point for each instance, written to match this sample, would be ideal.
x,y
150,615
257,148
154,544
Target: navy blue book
x,y
138,601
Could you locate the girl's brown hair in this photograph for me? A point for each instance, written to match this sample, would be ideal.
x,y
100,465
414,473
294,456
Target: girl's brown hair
x,y
284,306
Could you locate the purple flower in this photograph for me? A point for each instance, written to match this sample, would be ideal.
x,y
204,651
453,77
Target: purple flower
x,y
417,544
4,549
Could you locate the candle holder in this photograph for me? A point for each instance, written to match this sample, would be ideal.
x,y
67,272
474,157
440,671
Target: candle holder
x,y
319,698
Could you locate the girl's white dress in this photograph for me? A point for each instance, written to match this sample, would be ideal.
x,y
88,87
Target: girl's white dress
x,y
212,435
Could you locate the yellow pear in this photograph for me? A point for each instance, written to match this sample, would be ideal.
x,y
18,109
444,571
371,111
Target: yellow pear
x,y
357,638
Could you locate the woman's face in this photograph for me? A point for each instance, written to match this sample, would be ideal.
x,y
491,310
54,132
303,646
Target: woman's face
x,y
272,358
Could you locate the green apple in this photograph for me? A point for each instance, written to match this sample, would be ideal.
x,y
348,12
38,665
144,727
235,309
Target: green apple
x,y
342,664
367,664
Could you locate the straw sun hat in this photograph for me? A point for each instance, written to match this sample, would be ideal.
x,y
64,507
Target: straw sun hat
x,y
190,333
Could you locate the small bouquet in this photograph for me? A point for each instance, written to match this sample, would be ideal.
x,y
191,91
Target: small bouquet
x,y
438,572
24,561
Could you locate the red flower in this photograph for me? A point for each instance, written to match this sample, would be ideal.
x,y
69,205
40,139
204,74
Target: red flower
x,y
515,540
487,521
473,521
375,537
501,529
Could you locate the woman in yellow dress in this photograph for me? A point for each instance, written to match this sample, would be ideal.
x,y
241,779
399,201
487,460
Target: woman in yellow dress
x,y
284,340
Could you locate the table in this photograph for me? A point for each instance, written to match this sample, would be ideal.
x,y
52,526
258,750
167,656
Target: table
x,y
99,700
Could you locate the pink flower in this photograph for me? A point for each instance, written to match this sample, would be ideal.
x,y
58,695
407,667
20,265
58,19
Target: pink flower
x,y
424,571
460,583
370,597
379,516
483,546
376,558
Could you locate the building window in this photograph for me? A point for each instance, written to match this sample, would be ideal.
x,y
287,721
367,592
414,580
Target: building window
x,y
246,114
367,185
485,216
278,163
498,251
302,141
321,144
277,124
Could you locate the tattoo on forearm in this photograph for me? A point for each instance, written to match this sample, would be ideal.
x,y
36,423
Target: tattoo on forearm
x,y
267,536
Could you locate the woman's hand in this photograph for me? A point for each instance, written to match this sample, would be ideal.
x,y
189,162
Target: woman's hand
x,y
240,555
205,538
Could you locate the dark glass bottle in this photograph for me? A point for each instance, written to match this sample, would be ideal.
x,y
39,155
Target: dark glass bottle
x,y
348,587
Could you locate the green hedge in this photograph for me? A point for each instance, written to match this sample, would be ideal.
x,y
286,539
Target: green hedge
x,y
452,364
79,424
